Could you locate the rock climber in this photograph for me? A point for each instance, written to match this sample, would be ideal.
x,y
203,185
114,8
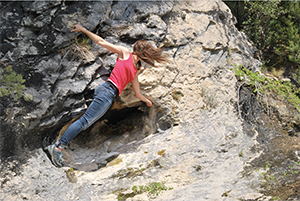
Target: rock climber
x,y
125,71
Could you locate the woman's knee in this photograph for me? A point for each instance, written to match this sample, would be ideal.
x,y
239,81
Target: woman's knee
x,y
83,122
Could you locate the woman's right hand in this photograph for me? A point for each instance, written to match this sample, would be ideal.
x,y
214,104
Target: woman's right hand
x,y
78,28
149,103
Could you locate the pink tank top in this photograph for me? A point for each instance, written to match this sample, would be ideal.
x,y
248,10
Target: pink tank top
x,y
123,73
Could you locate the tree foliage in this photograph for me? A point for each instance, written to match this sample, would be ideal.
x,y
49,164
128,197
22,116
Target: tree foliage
x,y
274,27
11,83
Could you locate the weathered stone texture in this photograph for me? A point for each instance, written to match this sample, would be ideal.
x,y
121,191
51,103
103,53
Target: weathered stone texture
x,y
191,138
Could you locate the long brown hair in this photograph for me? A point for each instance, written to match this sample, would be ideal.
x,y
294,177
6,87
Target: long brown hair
x,y
148,53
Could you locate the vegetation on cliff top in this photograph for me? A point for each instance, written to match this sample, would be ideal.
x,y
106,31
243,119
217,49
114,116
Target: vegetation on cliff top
x,y
274,27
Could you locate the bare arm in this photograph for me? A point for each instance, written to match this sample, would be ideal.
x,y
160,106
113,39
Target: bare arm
x,y
123,52
136,88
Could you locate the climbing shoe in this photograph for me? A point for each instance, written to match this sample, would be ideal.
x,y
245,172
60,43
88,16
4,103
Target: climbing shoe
x,y
56,156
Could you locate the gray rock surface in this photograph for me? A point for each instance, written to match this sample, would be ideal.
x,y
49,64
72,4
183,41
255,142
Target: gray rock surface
x,y
192,138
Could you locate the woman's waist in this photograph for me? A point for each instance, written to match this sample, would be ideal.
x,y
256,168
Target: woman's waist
x,y
113,85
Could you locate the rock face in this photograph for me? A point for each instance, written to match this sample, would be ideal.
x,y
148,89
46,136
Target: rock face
x,y
191,140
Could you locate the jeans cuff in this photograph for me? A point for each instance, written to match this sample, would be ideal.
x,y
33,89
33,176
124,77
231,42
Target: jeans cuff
x,y
58,144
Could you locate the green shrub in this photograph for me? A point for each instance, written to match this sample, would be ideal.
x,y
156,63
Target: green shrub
x,y
152,189
263,84
11,83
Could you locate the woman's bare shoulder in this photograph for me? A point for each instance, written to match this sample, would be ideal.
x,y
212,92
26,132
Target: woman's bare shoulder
x,y
125,53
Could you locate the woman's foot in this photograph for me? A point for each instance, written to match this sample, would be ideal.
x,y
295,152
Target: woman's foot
x,y
56,155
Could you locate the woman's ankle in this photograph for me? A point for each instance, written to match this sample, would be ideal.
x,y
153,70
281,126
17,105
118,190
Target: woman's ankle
x,y
58,148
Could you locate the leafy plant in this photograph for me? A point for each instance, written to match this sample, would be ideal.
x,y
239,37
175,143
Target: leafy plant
x,y
271,181
152,189
291,170
11,83
267,176
263,85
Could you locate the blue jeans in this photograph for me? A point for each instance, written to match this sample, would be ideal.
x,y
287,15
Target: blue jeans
x,y
104,96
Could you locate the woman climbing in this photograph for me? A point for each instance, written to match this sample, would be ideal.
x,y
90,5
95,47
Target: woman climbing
x,y
125,71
